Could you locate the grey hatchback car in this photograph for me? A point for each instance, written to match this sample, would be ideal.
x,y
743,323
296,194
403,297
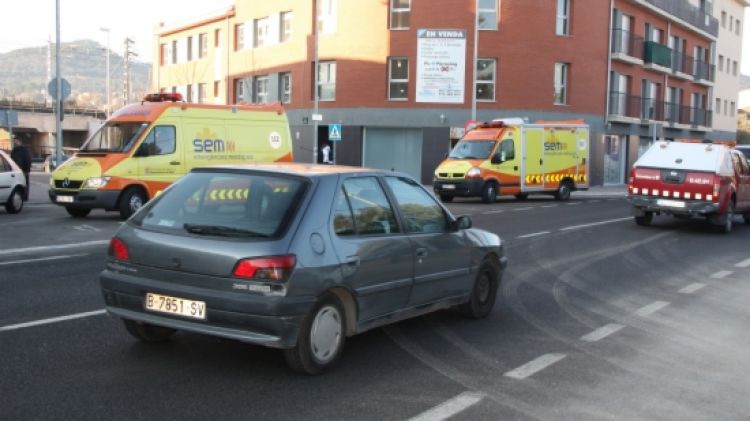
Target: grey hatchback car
x,y
297,257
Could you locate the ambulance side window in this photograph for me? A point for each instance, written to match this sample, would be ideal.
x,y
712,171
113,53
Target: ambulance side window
x,y
507,151
160,141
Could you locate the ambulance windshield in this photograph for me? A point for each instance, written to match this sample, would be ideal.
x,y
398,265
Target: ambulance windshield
x,y
472,149
114,137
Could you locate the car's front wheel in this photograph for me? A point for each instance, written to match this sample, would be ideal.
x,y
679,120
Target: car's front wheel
x,y
483,293
147,332
15,201
489,192
77,212
321,338
645,219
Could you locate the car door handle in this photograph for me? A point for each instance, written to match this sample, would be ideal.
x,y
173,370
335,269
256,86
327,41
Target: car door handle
x,y
174,163
421,252
352,261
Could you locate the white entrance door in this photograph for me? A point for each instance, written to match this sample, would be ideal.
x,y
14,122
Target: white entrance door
x,y
614,160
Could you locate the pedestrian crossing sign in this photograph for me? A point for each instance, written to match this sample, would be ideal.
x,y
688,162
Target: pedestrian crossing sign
x,y
334,132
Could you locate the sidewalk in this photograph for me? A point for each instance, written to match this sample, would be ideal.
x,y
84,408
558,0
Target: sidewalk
x,y
602,191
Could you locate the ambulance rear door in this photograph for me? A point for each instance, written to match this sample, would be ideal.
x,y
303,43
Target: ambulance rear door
x,y
532,164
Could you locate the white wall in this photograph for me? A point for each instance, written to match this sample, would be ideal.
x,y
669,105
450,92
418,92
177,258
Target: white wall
x,y
728,46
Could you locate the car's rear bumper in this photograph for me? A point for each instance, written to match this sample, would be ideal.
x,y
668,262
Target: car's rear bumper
x,y
86,199
272,321
670,206
458,187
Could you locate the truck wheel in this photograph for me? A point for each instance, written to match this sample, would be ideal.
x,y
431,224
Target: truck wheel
x,y
644,220
563,192
147,332
727,219
489,192
132,200
446,198
77,212
15,202
483,293
321,338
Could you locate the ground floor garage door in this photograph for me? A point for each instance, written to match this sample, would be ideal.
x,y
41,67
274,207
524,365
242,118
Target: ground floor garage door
x,y
399,149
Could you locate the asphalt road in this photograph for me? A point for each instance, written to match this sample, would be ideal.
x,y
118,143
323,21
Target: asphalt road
x,y
596,318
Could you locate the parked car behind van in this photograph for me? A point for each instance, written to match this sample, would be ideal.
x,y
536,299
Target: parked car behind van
x,y
12,184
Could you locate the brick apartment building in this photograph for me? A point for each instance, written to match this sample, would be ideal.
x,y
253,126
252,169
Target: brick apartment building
x,y
399,75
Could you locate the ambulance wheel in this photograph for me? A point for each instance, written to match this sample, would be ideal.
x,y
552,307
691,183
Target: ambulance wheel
x,y
522,196
77,212
446,198
645,219
489,193
15,201
132,200
563,192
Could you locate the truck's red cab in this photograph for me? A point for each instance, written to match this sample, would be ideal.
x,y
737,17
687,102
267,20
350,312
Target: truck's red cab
x,y
690,179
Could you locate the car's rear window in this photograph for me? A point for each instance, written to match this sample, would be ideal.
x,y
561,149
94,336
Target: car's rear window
x,y
225,204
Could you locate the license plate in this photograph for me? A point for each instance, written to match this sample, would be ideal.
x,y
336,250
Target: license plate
x,y
176,305
65,199
449,186
670,203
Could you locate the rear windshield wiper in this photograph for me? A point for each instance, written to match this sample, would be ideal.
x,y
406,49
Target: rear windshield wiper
x,y
221,230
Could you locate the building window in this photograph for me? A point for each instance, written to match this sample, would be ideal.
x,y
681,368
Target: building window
x,y
285,87
327,81
737,27
731,23
174,89
563,17
723,19
398,78
286,27
239,37
163,54
327,16
239,91
189,48
202,45
189,93
487,14
400,14
718,106
261,32
260,91
726,106
174,52
561,83
486,76
732,109
734,68
202,93
721,63
216,89
217,38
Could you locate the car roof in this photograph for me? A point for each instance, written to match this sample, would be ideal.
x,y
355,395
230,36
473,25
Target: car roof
x,y
295,168
687,156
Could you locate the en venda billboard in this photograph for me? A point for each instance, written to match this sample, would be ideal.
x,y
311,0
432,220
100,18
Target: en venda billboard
x,y
441,63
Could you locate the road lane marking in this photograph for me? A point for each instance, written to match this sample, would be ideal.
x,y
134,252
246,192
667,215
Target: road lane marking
x,y
42,259
691,288
85,227
450,407
722,274
602,332
534,366
573,203
593,224
55,247
491,212
594,201
743,264
651,308
535,234
52,320
523,209
548,206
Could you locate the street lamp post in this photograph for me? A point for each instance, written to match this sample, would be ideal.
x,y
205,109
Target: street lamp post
x,y
106,107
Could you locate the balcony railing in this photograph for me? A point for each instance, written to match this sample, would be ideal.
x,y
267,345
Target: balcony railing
x,y
681,62
624,105
625,42
703,70
656,53
700,18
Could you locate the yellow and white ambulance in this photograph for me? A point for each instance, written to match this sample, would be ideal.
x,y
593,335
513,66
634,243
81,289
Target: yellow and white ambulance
x,y
144,147
512,157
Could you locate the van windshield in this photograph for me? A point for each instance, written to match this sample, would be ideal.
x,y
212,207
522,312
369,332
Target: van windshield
x,y
114,137
472,149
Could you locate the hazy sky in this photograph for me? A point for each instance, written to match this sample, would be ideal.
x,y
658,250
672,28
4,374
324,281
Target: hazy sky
x,y
29,23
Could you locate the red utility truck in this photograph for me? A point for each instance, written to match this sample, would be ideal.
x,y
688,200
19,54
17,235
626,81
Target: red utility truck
x,y
691,180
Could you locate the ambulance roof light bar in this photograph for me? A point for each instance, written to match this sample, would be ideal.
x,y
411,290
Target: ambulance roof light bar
x,y
163,97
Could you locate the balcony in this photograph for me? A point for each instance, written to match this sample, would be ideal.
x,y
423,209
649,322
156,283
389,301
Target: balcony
x,y
703,72
681,65
657,56
626,46
681,9
634,109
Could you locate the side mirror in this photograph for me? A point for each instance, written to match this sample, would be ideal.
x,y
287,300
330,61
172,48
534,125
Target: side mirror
x,y
463,222
141,151
496,159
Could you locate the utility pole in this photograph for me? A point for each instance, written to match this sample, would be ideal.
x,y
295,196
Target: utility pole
x,y
316,28
106,107
49,65
126,70
58,82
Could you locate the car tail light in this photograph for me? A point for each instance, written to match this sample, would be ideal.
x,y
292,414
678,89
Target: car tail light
x,y
118,249
717,188
276,268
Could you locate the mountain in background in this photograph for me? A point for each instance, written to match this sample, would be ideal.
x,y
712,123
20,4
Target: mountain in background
x,y
24,74
744,82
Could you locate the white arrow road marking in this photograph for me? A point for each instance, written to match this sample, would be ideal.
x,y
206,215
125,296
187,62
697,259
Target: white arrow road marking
x,y
85,227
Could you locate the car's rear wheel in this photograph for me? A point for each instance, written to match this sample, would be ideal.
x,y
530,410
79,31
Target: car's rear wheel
x,y
483,292
446,197
77,212
148,332
15,201
132,200
321,338
726,221
645,219
489,192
